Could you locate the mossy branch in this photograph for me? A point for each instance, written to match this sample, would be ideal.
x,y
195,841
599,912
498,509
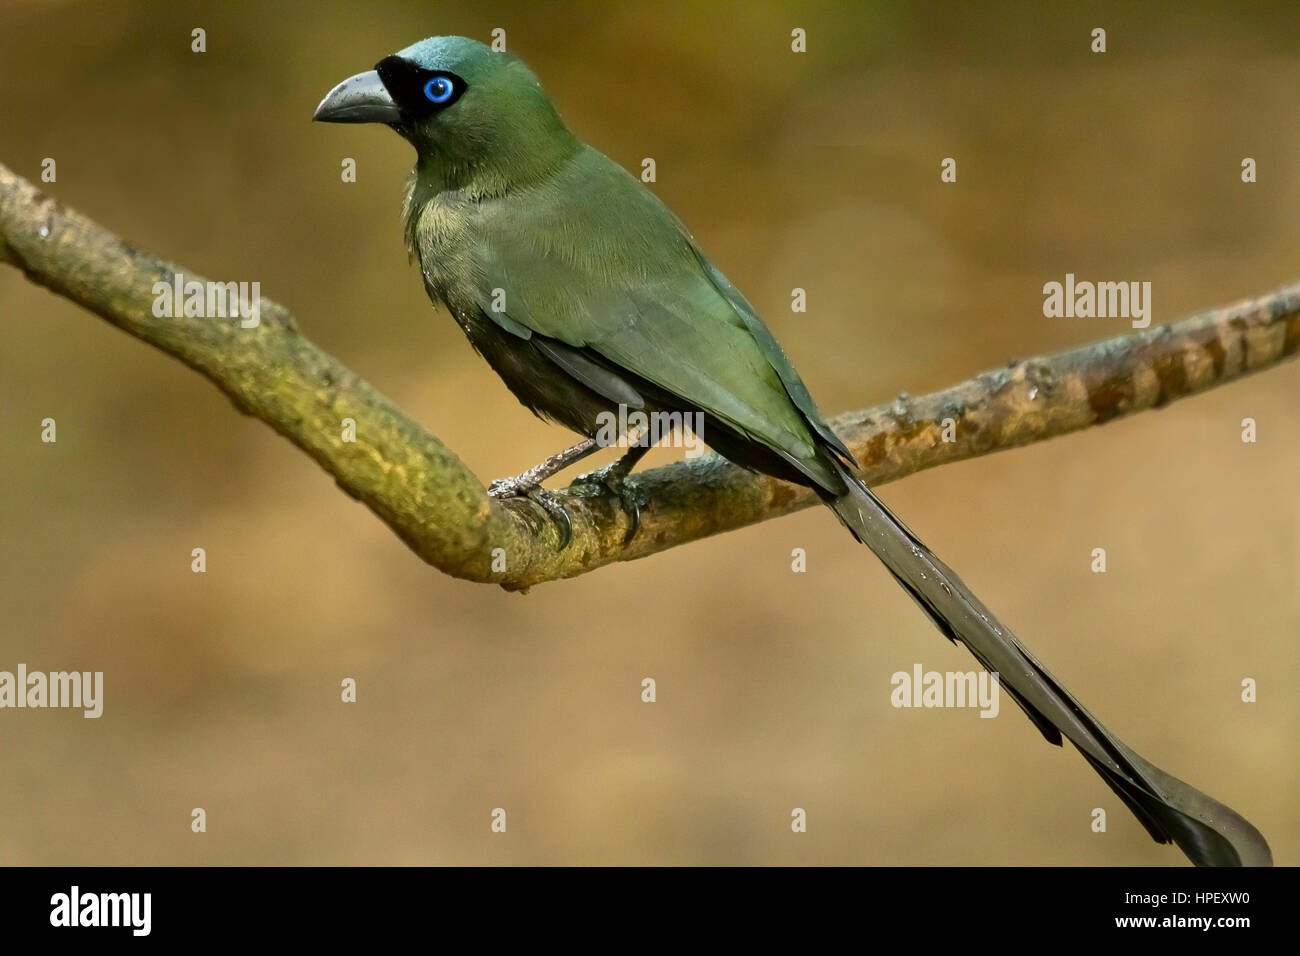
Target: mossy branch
x,y
434,503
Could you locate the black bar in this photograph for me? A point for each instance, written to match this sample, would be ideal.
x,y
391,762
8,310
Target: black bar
x,y
301,905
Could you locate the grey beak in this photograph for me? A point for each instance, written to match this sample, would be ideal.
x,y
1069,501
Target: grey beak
x,y
358,99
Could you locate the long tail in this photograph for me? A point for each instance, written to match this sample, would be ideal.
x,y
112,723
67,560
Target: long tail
x,y
1207,831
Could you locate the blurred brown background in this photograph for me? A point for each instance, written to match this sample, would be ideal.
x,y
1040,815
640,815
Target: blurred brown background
x,y
819,171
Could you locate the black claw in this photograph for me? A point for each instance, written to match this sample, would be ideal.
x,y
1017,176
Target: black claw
x,y
612,479
551,505
632,508
518,488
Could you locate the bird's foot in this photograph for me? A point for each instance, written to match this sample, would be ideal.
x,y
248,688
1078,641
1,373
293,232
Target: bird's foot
x,y
612,479
522,487
515,487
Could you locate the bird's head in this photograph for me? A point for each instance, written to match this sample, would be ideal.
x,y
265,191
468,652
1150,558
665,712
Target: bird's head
x,y
470,112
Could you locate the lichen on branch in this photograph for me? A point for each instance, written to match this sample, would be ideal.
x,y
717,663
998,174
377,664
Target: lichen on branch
x,y
434,503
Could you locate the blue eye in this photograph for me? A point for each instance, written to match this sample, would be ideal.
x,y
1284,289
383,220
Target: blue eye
x,y
438,89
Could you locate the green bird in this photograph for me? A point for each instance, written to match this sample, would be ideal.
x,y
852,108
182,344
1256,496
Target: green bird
x,y
587,296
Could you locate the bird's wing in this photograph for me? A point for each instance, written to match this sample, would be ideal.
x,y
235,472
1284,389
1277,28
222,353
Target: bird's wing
x,y
594,260
773,352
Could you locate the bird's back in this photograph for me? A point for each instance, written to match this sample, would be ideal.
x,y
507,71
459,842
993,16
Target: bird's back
x,y
591,258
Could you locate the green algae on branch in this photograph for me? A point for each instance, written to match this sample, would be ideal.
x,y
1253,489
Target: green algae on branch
x,y
435,504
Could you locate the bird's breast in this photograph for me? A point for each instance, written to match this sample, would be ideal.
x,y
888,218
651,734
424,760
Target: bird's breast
x,y
441,239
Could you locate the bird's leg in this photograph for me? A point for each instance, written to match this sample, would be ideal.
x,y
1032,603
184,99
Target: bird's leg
x,y
529,485
612,478
532,478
